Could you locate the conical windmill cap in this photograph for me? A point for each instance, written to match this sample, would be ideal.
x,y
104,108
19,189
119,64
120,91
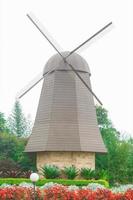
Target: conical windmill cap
x,y
66,115
75,59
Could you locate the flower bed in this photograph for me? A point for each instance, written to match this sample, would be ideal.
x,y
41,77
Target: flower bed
x,y
19,193
52,191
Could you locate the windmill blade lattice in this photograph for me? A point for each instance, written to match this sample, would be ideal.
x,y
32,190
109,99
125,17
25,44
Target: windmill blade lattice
x,y
86,41
39,27
45,33
30,85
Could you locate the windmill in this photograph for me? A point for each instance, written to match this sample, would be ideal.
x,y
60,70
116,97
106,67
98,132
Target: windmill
x,y
65,130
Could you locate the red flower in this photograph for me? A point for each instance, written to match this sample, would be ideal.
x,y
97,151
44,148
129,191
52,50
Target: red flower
x,y
61,193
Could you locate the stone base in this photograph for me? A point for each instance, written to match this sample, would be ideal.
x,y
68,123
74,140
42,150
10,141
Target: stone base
x,y
62,159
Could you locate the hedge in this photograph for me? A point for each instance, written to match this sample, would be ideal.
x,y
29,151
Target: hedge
x,y
17,181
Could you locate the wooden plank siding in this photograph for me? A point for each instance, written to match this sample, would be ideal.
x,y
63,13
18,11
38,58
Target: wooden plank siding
x,y
66,116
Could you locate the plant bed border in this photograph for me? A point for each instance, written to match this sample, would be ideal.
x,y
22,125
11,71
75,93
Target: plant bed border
x,y
17,181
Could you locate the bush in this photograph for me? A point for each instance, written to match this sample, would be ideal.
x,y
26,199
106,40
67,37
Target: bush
x,y
26,174
15,174
12,174
41,182
9,168
13,147
87,173
101,174
72,182
8,165
70,172
50,171
14,181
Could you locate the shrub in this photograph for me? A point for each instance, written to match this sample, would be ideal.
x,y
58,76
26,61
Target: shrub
x,y
8,165
50,171
13,147
87,173
9,168
70,172
13,181
101,174
12,174
26,174
15,174
41,182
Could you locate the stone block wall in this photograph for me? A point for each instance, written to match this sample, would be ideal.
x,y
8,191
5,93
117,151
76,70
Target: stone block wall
x,y
62,159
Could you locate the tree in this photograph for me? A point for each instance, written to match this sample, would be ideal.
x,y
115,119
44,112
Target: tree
x,y
18,124
110,137
102,117
118,161
12,149
3,123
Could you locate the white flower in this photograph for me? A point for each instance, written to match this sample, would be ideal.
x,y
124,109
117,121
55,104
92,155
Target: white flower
x,y
73,187
49,185
27,185
122,188
5,185
93,186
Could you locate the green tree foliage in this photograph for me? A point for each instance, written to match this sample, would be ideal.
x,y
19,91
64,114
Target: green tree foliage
x,y
12,147
119,159
102,117
3,123
18,124
118,162
13,140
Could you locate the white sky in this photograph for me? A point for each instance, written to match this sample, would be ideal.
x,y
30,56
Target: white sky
x,y
24,51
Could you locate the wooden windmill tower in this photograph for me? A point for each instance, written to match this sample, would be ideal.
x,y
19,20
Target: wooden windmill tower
x,y
65,131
